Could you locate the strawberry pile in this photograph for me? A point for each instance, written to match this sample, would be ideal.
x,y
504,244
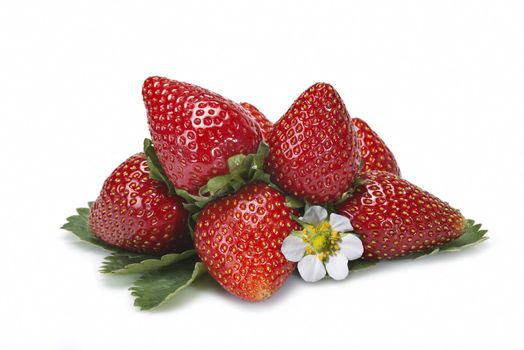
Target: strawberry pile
x,y
219,188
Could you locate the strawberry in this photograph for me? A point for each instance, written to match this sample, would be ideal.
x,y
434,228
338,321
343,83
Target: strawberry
x,y
134,212
396,218
239,237
374,152
313,148
195,131
264,123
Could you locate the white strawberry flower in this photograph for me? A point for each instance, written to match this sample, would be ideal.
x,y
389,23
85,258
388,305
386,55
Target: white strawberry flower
x,y
323,245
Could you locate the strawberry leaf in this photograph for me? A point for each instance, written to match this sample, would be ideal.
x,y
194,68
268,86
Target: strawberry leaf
x,y
120,261
156,287
123,263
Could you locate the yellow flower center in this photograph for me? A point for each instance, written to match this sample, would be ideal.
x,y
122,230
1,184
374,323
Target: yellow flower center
x,y
322,240
319,242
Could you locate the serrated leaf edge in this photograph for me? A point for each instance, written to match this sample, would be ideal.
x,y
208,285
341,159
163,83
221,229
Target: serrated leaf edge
x,y
198,270
161,262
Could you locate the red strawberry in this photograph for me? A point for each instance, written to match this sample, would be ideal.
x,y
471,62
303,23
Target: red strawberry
x,y
195,131
264,123
239,237
375,154
134,212
313,148
396,218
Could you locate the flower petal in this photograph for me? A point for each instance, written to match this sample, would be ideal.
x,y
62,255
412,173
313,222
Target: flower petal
x,y
293,248
340,223
351,247
311,268
314,215
337,267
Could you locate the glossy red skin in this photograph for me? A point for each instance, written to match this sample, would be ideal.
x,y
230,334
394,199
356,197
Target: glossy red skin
x,y
313,148
195,131
239,237
396,218
264,123
374,152
134,212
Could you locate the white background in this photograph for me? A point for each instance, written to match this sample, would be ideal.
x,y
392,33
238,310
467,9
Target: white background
x,y
441,81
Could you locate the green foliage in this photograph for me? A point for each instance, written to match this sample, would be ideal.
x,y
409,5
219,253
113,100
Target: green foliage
x,y
156,287
127,262
120,261
243,169
162,276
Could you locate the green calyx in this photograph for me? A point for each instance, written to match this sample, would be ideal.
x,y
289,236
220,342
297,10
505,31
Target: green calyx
x,y
243,169
156,172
